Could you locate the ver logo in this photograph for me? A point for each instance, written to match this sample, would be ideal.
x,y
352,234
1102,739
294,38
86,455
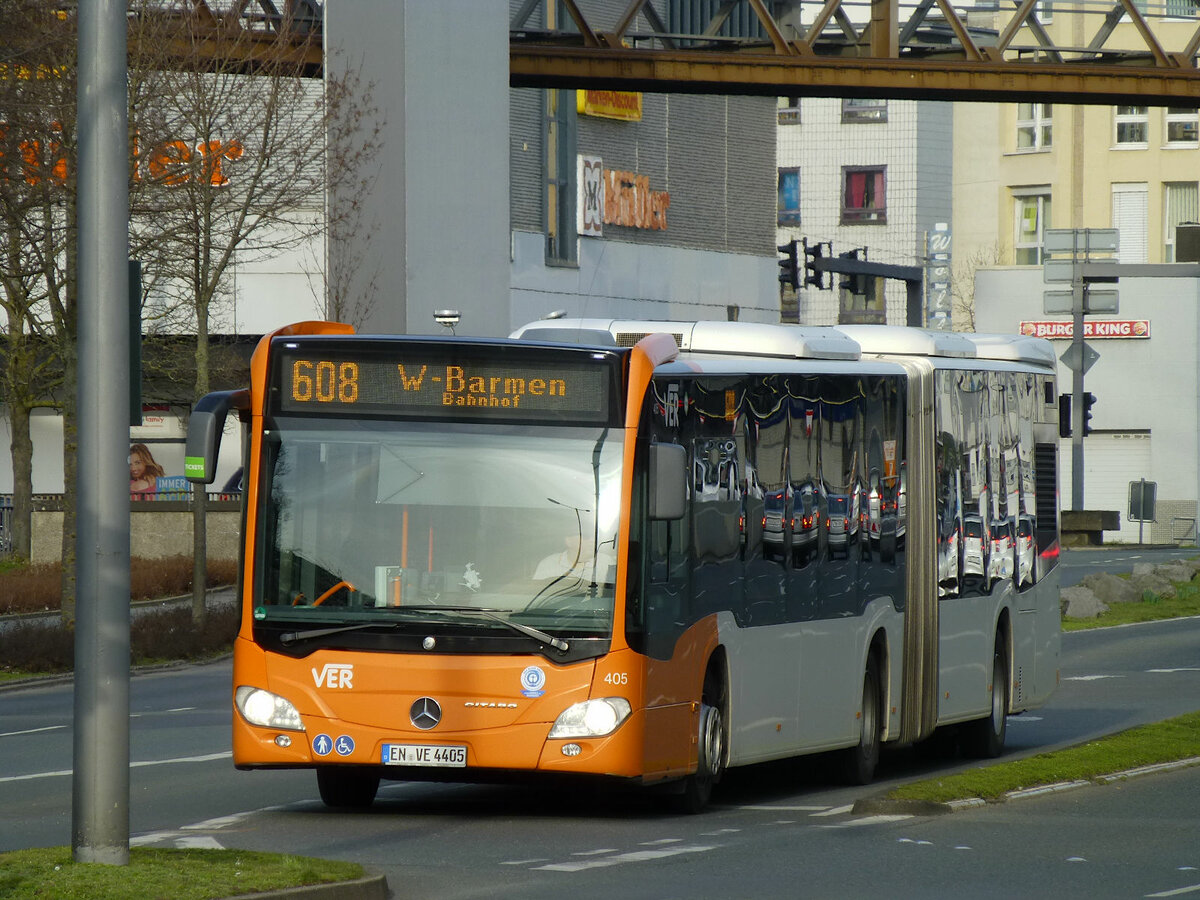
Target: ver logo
x,y
334,675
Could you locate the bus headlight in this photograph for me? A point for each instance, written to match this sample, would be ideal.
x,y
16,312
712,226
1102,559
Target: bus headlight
x,y
259,707
591,718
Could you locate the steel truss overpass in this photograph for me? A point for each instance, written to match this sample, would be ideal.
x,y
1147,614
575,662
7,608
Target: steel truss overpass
x,y
1077,51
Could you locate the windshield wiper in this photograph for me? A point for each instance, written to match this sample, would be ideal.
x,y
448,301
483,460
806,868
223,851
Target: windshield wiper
x,y
527,630
290,637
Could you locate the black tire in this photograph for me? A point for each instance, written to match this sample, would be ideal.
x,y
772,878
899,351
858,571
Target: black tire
x,y
984,738
696,789
347,788
859,762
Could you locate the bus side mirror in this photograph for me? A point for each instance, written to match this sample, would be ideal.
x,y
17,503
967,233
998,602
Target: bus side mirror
x,y
668,481
205,426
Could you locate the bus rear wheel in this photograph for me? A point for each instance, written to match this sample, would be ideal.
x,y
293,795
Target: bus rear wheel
x,y
984,738
347,788
859,762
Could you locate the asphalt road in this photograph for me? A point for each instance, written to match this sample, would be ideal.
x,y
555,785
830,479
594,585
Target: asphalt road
x,y
782,829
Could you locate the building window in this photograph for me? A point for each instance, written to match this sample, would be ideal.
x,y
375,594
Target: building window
x,y
867,308
1031,210
789,197
1181,9
789,111
1181,204
864,195
1034,126
858,110
1130,205
1132,123
1182,125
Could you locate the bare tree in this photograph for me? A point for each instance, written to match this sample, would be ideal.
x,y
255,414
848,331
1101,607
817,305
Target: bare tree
x,y
354,126
962,288
37,154
231,143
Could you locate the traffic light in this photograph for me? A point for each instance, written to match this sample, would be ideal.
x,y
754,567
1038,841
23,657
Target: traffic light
x,y
1088,399
856,283
848,282
789,266
812,275
1064,415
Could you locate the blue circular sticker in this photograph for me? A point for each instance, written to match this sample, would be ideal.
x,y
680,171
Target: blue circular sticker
x,y
344,745
322,745
533,680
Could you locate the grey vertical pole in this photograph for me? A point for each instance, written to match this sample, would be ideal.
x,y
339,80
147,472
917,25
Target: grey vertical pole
x,y
1077,294
914,308
100,790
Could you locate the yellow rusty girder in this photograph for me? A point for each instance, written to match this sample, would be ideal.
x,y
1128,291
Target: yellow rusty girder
x,y
1095,51
830,76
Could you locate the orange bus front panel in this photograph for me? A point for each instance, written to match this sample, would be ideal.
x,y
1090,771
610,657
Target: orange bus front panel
x,y
378,708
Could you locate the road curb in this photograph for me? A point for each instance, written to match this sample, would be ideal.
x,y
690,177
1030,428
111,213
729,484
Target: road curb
x,y
372,887
887,806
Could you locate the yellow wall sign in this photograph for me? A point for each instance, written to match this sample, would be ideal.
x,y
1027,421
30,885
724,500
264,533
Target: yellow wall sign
x,y
625,105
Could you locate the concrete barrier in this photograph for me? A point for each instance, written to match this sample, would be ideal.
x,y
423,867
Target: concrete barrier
x,y
157,529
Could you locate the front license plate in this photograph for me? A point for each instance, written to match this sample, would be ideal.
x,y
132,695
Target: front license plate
x,y
424,755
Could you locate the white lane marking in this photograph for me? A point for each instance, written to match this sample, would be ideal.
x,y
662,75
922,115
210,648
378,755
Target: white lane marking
x,y
1017,720
1090,677
225,754
1172,671
869,820
601,852
198,842
153,837
769,807
182,709
522,862
620,858
719,832
32,730
835,811
208,757
1190,889
218,822
659,842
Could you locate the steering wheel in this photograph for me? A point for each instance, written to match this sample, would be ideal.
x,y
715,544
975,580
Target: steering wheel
x,y
325,596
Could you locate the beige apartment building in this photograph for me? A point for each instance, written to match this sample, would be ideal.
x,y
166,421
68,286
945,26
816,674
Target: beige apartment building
x,y
1020,168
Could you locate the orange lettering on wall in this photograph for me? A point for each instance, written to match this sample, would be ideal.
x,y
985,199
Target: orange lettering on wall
x,y
212,152
168,162
629,201
42,159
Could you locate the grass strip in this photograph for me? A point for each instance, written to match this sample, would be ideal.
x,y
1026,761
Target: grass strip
x,y
1161,742
178,874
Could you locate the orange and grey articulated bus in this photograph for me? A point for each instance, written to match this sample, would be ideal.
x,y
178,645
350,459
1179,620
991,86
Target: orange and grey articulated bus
x,y
641,551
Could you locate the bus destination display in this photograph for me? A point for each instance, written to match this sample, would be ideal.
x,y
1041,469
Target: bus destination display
x,y
401,384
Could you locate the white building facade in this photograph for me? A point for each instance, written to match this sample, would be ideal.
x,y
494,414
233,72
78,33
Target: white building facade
x,y
870,174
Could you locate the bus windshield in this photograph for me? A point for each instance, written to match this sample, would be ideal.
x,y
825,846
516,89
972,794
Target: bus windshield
x,y
364,518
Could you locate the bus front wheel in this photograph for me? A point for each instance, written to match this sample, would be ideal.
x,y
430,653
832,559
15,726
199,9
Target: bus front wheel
x,y
347,788
696,789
